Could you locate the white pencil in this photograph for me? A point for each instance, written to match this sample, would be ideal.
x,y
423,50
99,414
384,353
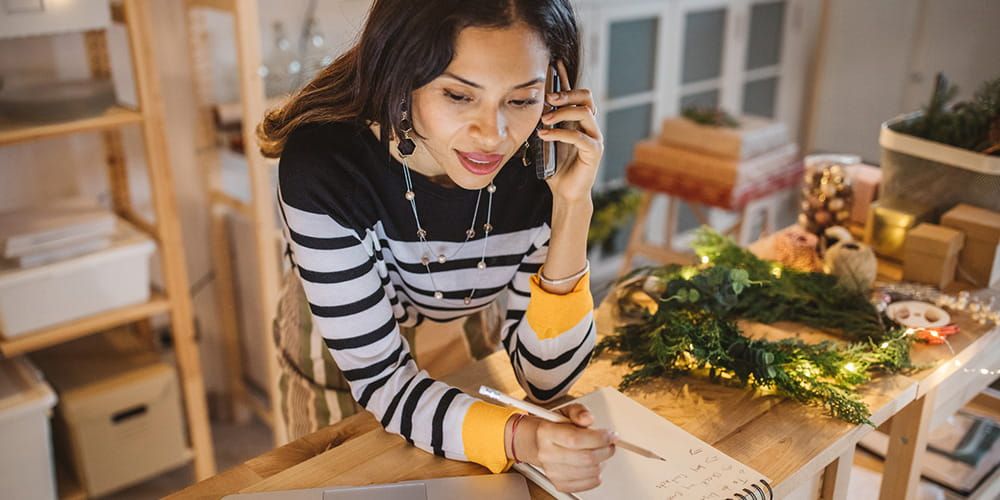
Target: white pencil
x,y
552,416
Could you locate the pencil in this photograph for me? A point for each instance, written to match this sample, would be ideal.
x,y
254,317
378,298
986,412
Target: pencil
x,y
552,416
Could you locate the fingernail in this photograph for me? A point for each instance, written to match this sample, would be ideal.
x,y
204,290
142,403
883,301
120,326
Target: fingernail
x,y
613,436
555,97
585,414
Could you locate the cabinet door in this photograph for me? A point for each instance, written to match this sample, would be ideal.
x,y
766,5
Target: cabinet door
x,y
703,44
629,42
762,68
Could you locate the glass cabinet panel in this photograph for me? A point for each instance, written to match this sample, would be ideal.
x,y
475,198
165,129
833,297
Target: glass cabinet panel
x,y
766,27
632,56
759,97
704,35
625,127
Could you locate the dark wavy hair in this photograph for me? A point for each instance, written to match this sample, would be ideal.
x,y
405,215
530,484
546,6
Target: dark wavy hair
x,y
405,45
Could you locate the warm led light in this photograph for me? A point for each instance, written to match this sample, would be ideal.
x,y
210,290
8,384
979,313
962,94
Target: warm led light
x,y
884,345
704,259
850,367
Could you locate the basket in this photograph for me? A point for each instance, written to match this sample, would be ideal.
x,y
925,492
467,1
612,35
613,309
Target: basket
x,y
936,175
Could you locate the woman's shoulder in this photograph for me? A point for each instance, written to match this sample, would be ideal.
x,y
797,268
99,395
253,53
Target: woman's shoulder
x,y
322,166
330,144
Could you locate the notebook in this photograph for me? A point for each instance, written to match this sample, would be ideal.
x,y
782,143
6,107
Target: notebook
x,y
693,470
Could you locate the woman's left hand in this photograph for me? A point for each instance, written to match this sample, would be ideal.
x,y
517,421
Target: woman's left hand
x,y
582,142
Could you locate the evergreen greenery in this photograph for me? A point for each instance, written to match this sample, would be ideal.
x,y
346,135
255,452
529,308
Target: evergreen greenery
x,y
973,125
612,209
693,326
710,116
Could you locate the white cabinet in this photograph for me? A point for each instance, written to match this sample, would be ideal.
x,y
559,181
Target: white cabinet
x,y
645,60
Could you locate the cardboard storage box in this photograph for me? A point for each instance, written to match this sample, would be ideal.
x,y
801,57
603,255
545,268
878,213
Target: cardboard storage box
x,y
26,466
977,263
119,417
931,254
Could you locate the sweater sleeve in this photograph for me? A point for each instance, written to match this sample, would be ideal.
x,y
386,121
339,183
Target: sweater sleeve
x,y
549,337
348,289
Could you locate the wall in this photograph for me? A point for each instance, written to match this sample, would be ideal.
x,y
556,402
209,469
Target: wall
x,y
881,58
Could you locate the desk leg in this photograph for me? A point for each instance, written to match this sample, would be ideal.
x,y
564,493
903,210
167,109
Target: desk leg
x,y
836,477
907,442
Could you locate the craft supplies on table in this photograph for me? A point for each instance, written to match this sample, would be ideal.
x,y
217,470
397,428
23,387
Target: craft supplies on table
x,y
889,222
930,254
979,260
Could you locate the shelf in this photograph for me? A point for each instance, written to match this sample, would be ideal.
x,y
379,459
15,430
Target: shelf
x,y
116,116
68,487
64,332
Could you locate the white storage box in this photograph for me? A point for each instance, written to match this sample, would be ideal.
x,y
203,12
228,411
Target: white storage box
x,y
119,416
35,298
45,17
26,467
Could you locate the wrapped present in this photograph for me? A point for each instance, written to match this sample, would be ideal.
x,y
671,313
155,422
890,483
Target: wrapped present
x,y
865,181
977,262
753,136
721,195
930,254
888,224
699,166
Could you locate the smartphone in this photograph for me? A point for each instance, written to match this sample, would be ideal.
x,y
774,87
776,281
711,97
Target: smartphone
x,y
545,152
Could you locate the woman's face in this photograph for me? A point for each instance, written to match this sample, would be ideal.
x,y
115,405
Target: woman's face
x,y
483,107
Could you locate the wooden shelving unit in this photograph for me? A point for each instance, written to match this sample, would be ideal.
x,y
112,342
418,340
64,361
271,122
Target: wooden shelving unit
x,y
165,231
37,340
117,116
260,209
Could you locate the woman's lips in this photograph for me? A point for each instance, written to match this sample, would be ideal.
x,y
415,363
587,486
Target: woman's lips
x,y
479,163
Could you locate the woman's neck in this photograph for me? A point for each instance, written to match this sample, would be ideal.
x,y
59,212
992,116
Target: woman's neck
x,y
417,162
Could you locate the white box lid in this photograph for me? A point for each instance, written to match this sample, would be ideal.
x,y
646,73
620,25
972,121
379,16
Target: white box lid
x,y
61,222
22,389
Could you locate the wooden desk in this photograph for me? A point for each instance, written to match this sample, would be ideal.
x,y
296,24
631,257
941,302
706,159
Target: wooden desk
x,y
806,453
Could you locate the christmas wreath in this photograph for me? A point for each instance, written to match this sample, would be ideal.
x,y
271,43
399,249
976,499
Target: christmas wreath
x,y
685,318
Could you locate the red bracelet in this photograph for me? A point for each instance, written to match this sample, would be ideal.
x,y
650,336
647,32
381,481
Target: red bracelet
x,y
513,435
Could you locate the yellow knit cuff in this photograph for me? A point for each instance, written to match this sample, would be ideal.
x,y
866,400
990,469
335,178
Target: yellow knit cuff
x,y
549,314
483,435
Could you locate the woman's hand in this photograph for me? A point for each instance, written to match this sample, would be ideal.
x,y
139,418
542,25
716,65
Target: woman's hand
x,y
582,145
571,454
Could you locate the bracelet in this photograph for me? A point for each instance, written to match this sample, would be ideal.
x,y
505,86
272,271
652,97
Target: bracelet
x,y
513,435
562,281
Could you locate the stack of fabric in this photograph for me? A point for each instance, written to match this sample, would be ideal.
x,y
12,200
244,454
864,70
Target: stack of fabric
x,y
720,166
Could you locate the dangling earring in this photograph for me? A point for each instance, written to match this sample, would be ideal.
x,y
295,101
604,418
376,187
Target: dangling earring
x,y
524,154
406,147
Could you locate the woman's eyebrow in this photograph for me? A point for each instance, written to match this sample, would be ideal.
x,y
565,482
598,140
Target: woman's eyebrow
x,y
476,85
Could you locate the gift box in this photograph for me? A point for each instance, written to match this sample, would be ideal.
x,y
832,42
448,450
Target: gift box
x,y
930,254
721,195
865,181
888,224
703,167
977,262
753,136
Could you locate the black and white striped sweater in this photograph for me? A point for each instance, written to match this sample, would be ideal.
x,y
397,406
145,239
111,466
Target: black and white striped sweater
x,y
352,238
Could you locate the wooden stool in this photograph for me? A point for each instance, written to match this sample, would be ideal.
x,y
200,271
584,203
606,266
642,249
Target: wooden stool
x,y
759,196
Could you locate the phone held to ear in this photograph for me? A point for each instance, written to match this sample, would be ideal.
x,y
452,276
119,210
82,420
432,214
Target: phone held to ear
x,y
543,154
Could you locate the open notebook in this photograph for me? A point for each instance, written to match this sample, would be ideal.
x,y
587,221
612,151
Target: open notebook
x,y
693,470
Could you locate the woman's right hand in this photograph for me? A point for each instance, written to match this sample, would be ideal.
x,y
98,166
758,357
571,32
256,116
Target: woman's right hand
x,y
571,454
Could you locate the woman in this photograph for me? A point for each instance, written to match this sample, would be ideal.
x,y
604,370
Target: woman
x,y
409,198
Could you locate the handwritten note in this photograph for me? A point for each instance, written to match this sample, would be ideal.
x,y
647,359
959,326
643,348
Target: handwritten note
x,y
693,470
